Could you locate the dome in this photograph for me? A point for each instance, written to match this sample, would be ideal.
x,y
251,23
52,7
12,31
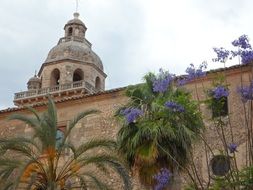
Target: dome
x,y
74,50
34,83
34,79
75,21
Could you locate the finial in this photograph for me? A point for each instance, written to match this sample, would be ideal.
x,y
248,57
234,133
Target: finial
x,y
76,15
77,5
35,73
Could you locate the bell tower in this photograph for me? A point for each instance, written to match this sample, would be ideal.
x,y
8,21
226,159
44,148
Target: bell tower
x,y
71,69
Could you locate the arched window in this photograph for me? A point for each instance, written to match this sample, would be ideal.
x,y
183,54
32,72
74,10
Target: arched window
x,y
98,83
70,31
76,32
59,138
77,75
55,77
222,109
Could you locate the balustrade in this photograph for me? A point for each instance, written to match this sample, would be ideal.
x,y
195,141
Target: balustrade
x,y
55,89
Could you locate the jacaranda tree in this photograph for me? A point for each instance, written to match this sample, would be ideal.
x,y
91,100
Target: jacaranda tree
x,y
226,170
40,162
159,125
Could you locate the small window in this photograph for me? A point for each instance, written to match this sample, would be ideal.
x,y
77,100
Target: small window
x,y
220,107
98,83
55,77
76,32
59,138
70,31
220,165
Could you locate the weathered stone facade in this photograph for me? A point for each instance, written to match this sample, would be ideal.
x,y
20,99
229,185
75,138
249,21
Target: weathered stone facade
x,y
104,125
70,55
235,77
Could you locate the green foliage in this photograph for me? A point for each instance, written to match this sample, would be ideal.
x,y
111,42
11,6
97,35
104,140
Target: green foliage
x,y
35,162
246,178
161,137
242,180
220,183
189,187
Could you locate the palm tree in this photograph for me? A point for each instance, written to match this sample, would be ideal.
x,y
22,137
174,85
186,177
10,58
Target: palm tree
x,y
40,163
159,125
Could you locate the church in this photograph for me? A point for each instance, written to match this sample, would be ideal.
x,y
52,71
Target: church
x,y
73,75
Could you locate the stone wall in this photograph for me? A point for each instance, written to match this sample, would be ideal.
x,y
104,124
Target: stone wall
x,y
105,126
234,79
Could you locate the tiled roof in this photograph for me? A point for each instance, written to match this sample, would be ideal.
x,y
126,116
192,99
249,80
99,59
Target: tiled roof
x,y
64,99
106,92
227,68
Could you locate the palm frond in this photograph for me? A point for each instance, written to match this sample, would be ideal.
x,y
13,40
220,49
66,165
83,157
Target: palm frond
x,y
38,163
7,186
97,182
81,116
52,114
22,141
34,112
19,147
28,120
114,163
108,144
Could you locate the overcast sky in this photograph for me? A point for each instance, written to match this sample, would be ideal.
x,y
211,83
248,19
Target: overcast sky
x,y
132,37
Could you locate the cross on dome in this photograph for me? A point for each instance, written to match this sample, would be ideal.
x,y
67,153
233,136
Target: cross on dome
x,y
77,5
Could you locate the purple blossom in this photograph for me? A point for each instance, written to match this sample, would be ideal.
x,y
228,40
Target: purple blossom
x,y
219,92
246,92
162,81
194,73
242,42
162,178
131,114
175,107
232,148
245,50
246,56
222,54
